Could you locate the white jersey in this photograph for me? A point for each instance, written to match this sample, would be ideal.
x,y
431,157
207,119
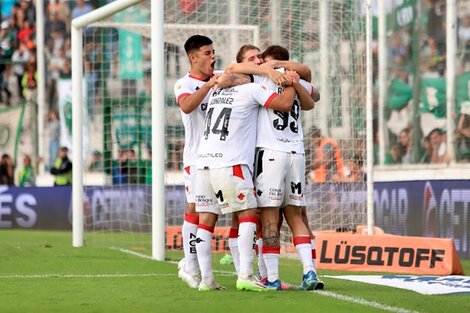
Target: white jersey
x,y
281,131
229,136
194,121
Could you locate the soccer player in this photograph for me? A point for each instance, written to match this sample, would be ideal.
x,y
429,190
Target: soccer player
x,y
191,93
224,181
280,166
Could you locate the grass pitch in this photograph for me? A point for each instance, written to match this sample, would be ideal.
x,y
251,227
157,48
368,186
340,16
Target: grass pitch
x,y
41,272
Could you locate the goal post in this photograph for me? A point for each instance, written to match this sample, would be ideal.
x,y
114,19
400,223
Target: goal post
x,y
131,116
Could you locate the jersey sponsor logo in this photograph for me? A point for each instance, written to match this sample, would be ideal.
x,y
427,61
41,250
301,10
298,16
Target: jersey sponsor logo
x,y
379,256
201,200
241,196
275,194
211,155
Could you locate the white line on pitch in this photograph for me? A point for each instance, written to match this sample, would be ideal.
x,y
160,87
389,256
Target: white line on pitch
x,y
141,255
85,275
363,302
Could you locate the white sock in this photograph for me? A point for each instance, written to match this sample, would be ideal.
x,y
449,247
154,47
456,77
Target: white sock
x,y
263,271
246,242
204,251
314,253
233,245
188,232
304,250
271,258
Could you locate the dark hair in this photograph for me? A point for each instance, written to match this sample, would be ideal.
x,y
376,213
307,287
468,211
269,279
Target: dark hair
x,y
242,51
277,53
315,132
195,42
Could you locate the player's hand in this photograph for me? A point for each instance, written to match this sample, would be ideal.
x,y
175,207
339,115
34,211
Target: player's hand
x,y
277,77
270,64
293,75
213,81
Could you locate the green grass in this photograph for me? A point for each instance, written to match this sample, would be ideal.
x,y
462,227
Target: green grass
x,y
41,253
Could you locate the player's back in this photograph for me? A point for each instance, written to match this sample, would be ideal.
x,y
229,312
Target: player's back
x,y
229,135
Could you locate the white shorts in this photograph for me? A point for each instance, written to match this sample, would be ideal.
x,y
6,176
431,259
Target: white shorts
x,y
279,178
224,190
189,174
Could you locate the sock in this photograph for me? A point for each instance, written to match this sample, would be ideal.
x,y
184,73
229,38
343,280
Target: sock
x,y
204,251
314,253
263,271
304,250
246,242
233,245
271,258
188,231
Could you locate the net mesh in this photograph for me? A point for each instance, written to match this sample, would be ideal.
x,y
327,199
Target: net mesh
x,y
117,67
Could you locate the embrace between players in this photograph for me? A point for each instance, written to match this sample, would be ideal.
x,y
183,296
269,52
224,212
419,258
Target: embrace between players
x,y
254,105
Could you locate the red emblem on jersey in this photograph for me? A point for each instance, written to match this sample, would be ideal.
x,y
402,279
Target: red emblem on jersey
x,y
241,196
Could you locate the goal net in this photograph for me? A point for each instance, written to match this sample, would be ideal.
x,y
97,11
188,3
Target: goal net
x,y
116,104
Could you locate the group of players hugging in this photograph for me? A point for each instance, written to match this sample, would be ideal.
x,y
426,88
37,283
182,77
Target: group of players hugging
x,y
244,154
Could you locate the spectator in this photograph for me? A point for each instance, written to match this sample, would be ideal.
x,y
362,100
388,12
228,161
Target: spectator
x,y
27,174
62,168
81,9
356,171
394,157
19,58
327,165
7,170
462,134
96,162
53,134
29,81
426,158
437,138
65,71
404,143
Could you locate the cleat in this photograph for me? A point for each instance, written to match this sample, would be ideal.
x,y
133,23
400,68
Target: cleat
x,y
320,285
210,286
193,280
181,263
277,285
309,281
262,280
250,285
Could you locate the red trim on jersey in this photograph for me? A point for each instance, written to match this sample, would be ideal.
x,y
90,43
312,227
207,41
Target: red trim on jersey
x,y
259,233
187,169
314,254
199,78
233,233
250,219
205,227
270,99
181,95
273,250
301,240
237,171
256,250
191,218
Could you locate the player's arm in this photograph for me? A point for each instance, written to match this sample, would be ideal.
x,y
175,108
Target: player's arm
x,y
283,102
248,68
189,103
303,89
303,70
231,79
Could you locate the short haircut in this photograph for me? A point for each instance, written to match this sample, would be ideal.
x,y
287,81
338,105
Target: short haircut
x,y
195,42
242,51
315,132
277,53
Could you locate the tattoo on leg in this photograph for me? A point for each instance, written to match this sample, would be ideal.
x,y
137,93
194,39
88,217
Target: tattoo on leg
x,y
271,235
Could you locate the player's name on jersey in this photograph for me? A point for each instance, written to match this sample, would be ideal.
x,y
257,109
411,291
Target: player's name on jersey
x,y
221,100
